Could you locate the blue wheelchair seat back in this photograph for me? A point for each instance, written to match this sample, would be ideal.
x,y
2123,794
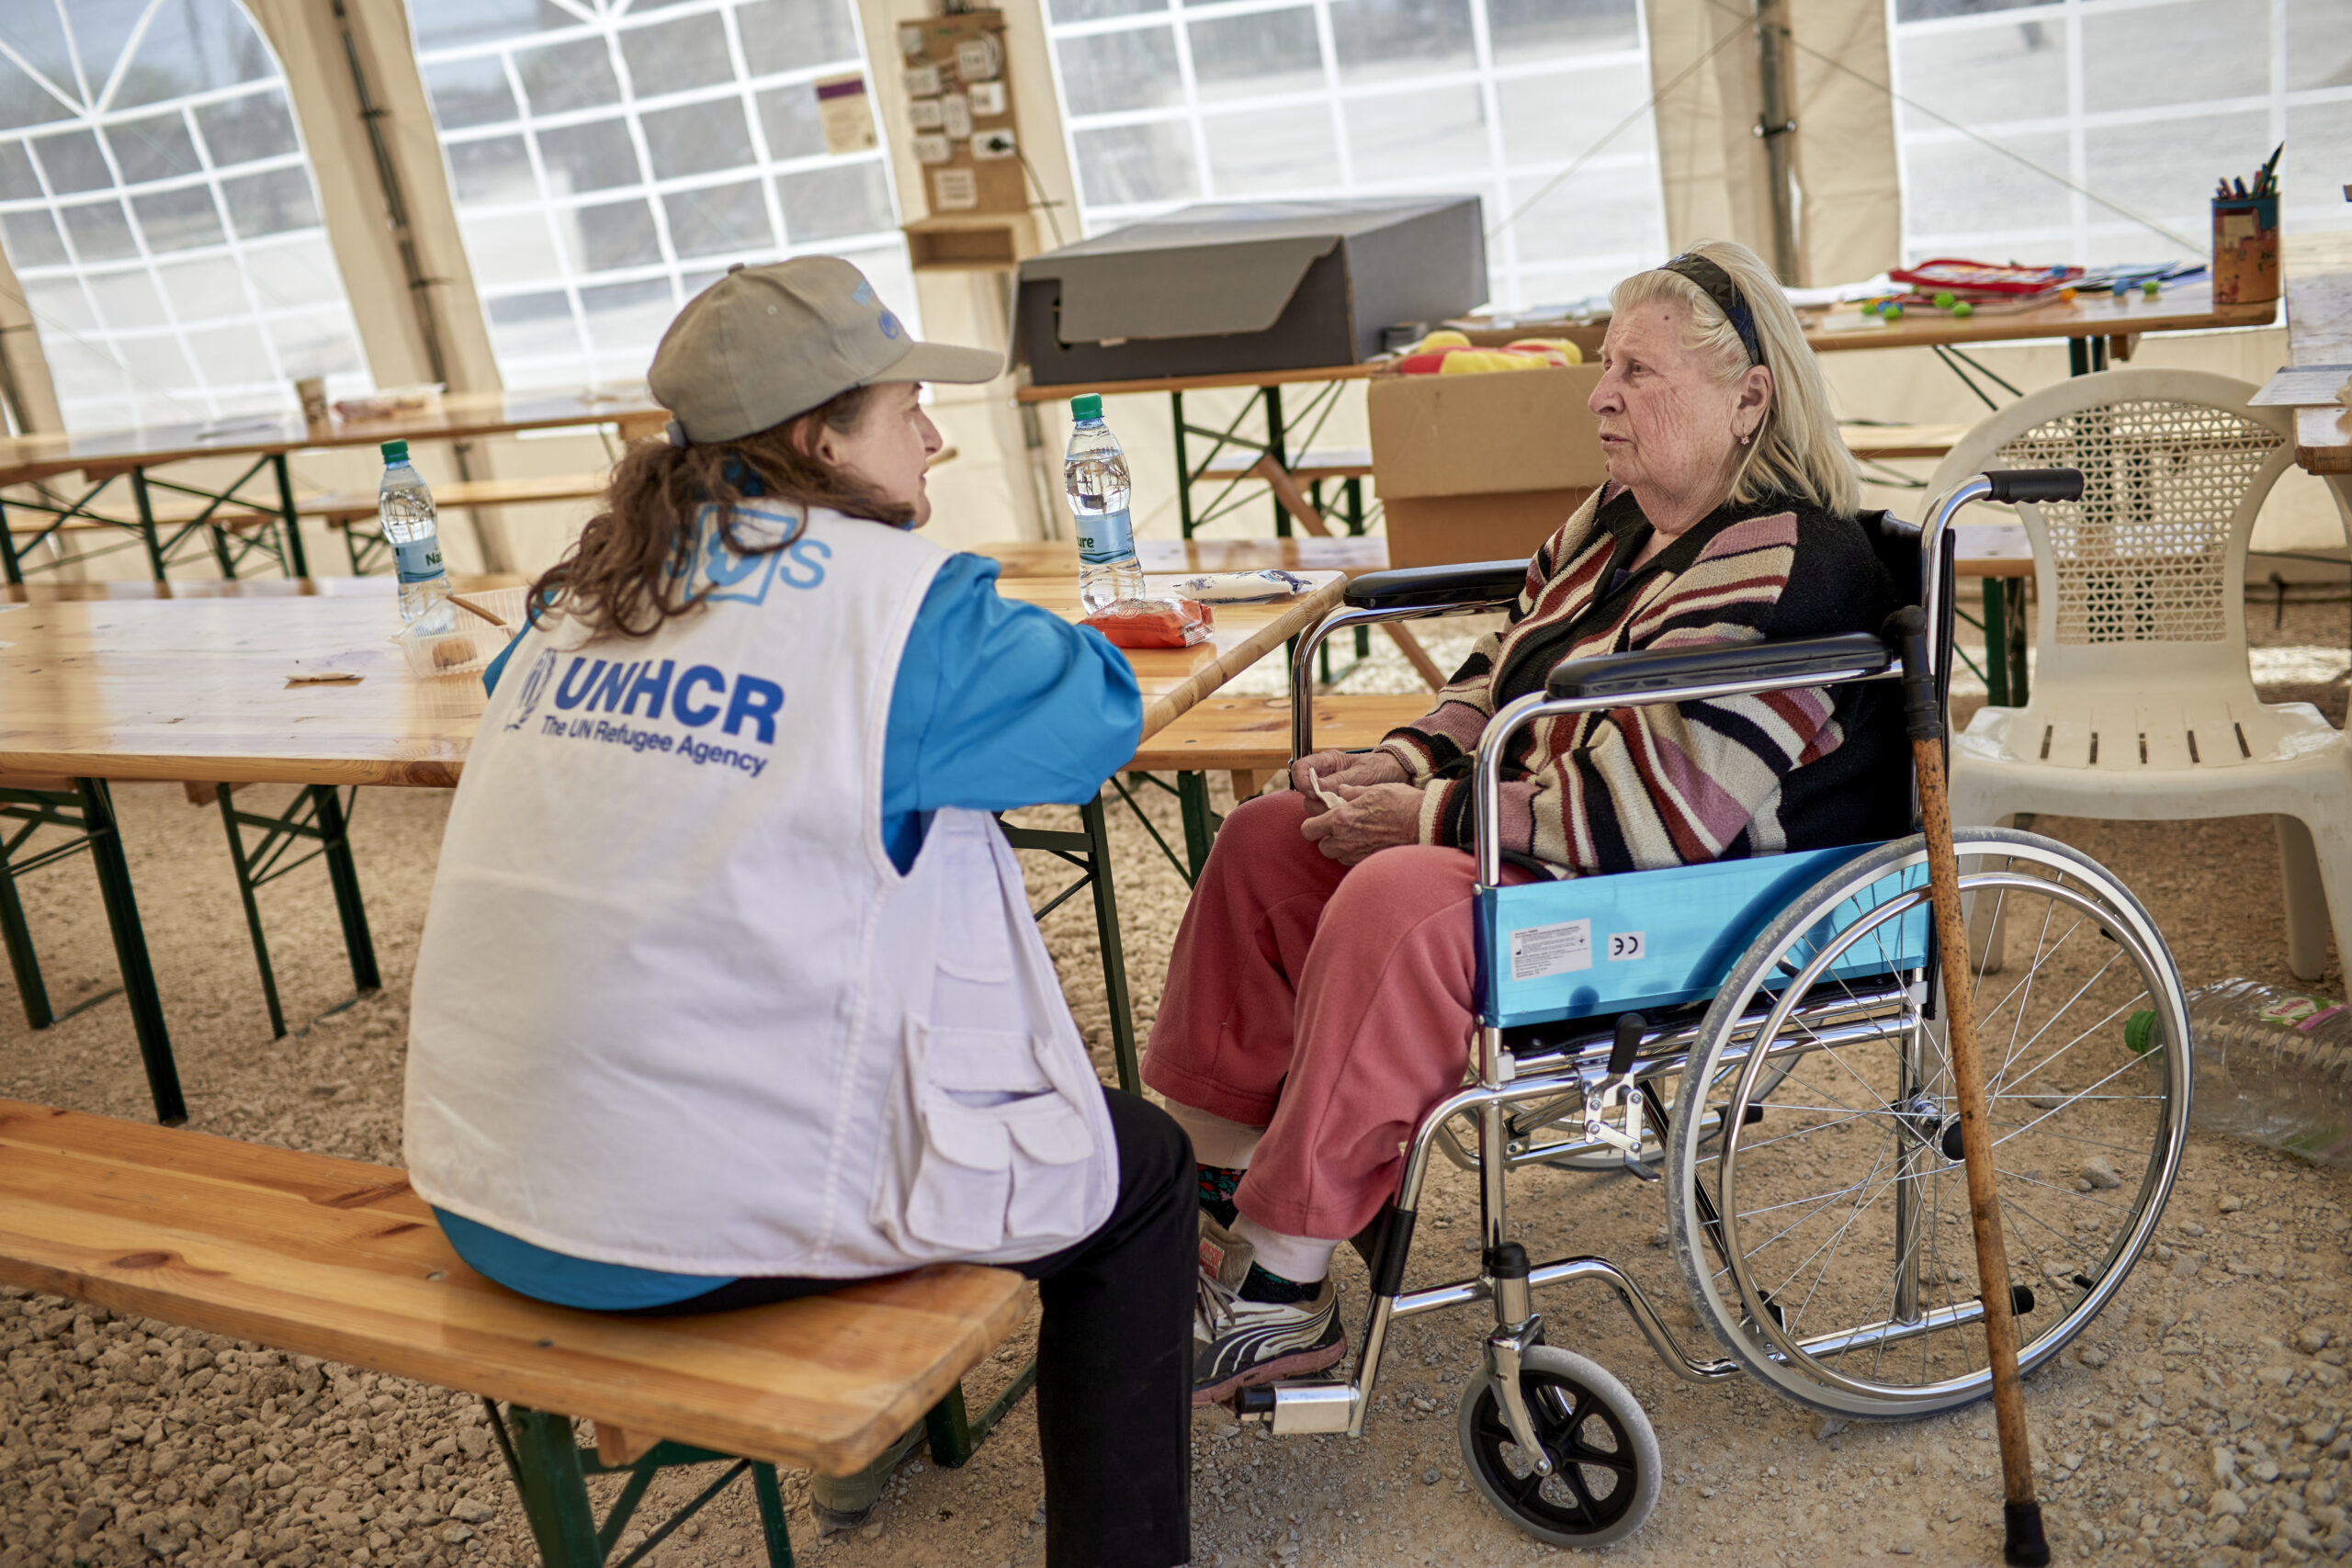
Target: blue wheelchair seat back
x,y
1591,946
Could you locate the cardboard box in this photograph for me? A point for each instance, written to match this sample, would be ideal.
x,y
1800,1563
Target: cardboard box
x,y
1481,467
1227,289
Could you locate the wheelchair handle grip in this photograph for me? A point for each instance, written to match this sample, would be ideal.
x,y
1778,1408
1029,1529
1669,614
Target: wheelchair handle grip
x,y
1628,1042
2012,485
1907,632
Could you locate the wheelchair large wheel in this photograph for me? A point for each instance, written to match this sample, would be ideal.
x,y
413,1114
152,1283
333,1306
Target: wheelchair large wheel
x,y
1604,1455
1827,1241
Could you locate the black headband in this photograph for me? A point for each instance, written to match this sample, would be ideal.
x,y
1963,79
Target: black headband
x,y
1716,284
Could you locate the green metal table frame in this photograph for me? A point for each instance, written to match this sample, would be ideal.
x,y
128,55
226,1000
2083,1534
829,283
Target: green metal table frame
x,y
319,814
232,548
87,813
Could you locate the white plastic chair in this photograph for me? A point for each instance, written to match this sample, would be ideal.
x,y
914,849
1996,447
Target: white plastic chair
x,y
2142,707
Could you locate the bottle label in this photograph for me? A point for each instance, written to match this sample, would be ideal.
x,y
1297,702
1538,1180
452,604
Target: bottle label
x,y
2318,1018
419,559
1107,538
2294,1010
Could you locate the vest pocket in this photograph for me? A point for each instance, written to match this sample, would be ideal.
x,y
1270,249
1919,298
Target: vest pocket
x,y
996,1155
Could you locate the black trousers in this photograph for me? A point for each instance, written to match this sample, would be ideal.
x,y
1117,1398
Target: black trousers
x,y
1114,1357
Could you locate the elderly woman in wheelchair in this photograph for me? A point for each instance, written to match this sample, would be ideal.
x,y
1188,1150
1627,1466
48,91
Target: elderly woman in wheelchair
x,y
1641,870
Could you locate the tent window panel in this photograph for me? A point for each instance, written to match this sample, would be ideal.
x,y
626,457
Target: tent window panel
x,y
795,35
492,171
1273,151
469,91
247,130
155,148
206,289
1256,56
17,181
191,46
574,74
321,341
276,201
32,239
2319,44
1122,164
597,155
1957,186
1524,30
677,57
2201,50
233,354
71,161
719,219
610,236
1105,73
157,360
99,230
646,107
61,303
1432,131
299,271
182,220
1594,213
833,203
128,301
1559,116
789,119
698,139
1380,40
1103,10
1985,75
2140,165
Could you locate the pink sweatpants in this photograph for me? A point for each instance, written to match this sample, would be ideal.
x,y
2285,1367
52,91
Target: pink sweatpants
x,y
1330,1005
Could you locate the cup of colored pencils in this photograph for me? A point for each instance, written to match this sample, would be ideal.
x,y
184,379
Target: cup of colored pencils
x,y
2245,237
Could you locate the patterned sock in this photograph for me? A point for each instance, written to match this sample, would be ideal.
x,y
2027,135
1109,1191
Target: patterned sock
x,y
1217,1182
1262,1286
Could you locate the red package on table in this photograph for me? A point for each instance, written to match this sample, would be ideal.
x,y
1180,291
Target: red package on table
x,y
1168,622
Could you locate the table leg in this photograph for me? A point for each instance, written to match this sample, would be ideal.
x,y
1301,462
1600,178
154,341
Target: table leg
x,y
2013,614
343,875
130,951
248,888
1280,455
8,562
297,563
147,525
1183,469
1200,821
1115,958
16,935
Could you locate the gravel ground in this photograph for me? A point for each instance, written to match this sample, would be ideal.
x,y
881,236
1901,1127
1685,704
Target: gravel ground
x,y
2202,1421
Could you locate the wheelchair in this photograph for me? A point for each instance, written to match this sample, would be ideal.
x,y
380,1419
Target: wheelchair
x,y
1761,1038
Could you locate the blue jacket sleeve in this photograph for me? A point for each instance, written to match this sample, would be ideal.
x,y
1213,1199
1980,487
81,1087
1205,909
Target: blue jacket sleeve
x,y
999,704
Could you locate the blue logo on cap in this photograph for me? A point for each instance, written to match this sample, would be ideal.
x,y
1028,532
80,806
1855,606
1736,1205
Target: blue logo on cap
x,y
888,323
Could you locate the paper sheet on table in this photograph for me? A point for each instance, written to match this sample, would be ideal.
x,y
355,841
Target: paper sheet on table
x,y
2303,386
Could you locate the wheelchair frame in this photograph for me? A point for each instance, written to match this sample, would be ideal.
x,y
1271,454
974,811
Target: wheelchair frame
x,y
1618,1080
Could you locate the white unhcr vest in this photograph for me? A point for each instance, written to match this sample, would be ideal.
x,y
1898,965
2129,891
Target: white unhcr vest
x,y
674,1007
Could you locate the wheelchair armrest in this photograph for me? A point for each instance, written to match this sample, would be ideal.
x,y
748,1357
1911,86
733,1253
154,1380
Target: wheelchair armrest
x,y
1794,662
1438,589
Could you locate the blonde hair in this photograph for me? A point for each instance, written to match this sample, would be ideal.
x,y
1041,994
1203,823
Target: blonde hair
x,y
1797,450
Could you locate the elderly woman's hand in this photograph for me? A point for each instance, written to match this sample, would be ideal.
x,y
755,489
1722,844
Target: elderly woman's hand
x,y
1370,818
1332,768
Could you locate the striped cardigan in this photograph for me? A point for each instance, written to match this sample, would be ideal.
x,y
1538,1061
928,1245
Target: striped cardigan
x,y
1635,788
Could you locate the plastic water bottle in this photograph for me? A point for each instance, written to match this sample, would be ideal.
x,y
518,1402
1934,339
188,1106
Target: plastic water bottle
x,y
2273,1066
404,506
1095,474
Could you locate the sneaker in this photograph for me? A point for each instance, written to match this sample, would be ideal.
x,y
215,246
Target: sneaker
x,y
1238,1343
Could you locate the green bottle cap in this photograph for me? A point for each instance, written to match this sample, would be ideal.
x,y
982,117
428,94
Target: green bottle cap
x,y
395,451
1087,407
2139,1032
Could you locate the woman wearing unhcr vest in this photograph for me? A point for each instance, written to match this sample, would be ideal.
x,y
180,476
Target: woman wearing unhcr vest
x,y
730,991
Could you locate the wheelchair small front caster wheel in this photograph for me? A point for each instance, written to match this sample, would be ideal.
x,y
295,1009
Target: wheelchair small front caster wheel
x,y
1605,1479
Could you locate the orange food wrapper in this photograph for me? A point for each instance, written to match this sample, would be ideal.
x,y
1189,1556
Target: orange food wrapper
x,y
1167,622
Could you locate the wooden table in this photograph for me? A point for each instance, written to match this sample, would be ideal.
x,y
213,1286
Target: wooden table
x,y
200,688
2318,331
262,445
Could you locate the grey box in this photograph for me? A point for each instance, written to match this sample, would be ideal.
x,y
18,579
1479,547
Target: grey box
x,y
1227,289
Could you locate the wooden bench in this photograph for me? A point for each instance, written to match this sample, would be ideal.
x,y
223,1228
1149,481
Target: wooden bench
x,y
1248,737
1309,466
1888,442
340,1259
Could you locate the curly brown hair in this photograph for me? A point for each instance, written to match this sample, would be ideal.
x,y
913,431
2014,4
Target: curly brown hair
x,y
622,576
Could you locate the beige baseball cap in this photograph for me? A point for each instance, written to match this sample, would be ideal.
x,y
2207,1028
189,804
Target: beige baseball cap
x,y
766,343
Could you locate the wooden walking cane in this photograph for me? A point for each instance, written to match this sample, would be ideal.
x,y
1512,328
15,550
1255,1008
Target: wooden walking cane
x,y
2024,1545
